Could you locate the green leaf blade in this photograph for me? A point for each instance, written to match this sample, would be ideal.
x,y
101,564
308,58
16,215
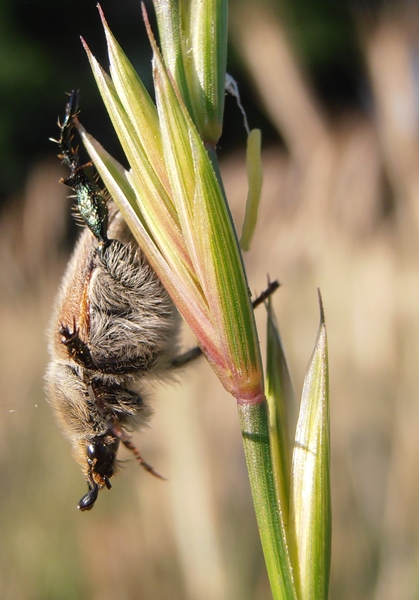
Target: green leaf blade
x,y
281,402
170,20
254,177
311,496
207,67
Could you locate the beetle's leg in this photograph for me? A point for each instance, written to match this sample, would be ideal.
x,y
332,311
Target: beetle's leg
x,y
76,348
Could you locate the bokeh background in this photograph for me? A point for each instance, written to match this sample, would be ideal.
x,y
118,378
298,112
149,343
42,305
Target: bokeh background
x,y
334,86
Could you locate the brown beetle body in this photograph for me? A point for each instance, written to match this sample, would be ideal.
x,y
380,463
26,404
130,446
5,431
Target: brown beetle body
x,y
113,326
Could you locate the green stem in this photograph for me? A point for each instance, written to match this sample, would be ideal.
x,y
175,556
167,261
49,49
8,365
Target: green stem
x,y
254,425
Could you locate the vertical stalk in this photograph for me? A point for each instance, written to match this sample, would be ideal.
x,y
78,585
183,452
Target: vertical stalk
x,y
254,423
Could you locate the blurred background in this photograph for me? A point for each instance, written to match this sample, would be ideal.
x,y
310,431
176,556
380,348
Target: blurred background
x,y
334,86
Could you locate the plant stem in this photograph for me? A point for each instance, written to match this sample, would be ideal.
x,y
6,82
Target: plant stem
x,y
254,425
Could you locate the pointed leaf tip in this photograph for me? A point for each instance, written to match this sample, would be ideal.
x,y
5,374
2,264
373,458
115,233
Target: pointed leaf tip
x,y
321,308
311,501
102,16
